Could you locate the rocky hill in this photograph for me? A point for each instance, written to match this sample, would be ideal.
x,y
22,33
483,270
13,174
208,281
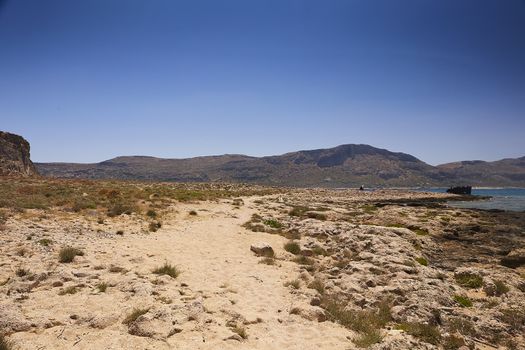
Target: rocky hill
x,y
342,166
505,172
14,156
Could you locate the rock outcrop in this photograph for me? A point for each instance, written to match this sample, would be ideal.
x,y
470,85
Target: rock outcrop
x,y
14,156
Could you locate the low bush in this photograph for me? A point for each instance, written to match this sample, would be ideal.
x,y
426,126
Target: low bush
x,y
292,247
469,280
67,254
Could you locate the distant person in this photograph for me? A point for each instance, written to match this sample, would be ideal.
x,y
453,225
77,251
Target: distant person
x,y
362,188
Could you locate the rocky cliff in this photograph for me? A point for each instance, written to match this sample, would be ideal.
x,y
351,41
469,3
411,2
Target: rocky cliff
x,y
14,156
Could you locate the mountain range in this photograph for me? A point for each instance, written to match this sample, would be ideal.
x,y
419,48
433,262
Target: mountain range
x,y
348,165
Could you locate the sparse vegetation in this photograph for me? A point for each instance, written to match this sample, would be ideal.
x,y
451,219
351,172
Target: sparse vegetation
x,y
295,284
421,260
273,223
427,333
68,290
318,285
67,254
167,269
151,213
154,226
501,288
45,242
366,322
292,247
240,330
304,260
117,269
469,280
21,272
267,261
102,286
192,213
463,300
368,339
134,315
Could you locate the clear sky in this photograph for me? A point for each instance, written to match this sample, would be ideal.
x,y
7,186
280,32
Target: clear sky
x,y
85,81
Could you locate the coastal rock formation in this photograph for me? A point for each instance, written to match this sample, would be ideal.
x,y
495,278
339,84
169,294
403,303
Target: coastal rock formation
x,y
14,156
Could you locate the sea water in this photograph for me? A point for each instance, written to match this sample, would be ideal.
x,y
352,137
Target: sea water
x,y
502,198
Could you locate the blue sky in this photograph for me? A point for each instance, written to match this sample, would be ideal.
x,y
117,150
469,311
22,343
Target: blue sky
x,y
85,81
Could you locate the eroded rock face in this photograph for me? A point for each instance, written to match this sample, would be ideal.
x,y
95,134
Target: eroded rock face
x,y
14,156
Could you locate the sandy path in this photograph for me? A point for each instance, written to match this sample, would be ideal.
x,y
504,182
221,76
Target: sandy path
x,y
218,270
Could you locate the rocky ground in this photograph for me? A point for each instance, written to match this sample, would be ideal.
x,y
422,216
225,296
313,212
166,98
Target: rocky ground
x,y
295,269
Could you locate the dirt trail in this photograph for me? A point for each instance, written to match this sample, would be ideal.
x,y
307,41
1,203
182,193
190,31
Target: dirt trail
x,y
219,274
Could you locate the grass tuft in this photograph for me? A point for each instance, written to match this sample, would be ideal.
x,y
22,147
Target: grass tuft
x,y
292,247
134,315
167,269
67,254
463,300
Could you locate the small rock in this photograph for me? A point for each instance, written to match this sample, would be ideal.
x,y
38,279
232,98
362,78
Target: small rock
x,y
315,302
262,249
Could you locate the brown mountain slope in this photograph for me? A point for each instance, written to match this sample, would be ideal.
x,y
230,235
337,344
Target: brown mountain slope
x,y
346,165
342,166
14,156
505,172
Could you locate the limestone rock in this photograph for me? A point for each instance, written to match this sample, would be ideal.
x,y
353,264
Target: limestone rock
x,y
14,156
262,249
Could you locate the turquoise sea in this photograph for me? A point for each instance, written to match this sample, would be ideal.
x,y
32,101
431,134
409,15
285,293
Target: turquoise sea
x,y
502,198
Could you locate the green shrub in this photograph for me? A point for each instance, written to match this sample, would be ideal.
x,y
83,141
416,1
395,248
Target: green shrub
x,y
67,254
463,300
167,269
273,223
419,231
362,321
292,247
469,280
501,288
422,261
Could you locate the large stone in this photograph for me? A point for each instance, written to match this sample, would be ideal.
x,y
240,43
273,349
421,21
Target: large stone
x,y
514,259
262,249
14,156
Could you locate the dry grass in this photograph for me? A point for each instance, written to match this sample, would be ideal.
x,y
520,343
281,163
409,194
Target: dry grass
x,y
67,254
422,331
167,269
5,344
292,247
134,315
